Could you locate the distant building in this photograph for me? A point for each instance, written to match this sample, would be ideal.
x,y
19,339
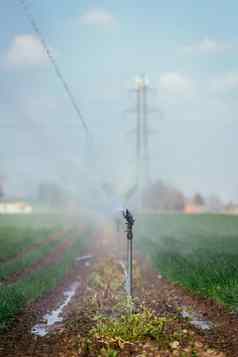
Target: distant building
x,y
12,207
191,208
231,208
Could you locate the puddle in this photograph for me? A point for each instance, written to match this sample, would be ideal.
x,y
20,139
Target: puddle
x,y
55,316
196,320
85,258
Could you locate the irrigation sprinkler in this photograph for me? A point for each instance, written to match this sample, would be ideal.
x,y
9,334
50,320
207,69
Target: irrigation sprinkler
x,y
129,222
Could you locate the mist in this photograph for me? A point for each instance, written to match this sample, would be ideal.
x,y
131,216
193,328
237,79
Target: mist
x,y
192,104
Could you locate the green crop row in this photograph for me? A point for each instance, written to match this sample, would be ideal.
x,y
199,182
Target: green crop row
x,y
29,258
198,252
15,240
18,232
31,220
14,297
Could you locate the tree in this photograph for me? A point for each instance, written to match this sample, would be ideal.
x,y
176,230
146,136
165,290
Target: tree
x,y
1,187
160,196
198,200
51,193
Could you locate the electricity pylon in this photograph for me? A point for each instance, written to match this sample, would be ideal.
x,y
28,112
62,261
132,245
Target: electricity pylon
x,y
143,176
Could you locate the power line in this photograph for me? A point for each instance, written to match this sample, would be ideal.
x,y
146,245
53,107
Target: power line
x,y
52,60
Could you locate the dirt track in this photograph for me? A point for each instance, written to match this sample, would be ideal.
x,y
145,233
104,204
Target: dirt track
x,y
164,298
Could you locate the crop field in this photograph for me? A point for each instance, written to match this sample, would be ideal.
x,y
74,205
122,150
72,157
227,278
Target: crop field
x,y
199,252
36,253
82,305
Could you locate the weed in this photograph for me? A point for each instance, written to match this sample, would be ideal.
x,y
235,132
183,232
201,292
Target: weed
x,y
129,328
108,352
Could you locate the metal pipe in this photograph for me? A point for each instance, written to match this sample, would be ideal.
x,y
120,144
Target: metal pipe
x,y
129,222
130,268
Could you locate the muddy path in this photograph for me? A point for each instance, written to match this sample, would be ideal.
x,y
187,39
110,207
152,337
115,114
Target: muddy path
x,y
101,264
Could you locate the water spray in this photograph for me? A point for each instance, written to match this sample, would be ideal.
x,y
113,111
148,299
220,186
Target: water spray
x,y
129,222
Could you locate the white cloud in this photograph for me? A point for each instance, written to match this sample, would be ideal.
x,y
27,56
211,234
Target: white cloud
x,y
208,46
174,83
25,50
98,17
225,83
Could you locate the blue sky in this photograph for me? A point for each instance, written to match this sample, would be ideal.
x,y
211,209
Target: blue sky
x,y
189,52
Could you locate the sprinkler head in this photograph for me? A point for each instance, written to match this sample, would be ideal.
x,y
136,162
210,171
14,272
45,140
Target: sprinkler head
x,y
129,222
128,216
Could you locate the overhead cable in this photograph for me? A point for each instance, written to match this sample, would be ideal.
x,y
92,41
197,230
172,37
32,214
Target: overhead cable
x,y
53,61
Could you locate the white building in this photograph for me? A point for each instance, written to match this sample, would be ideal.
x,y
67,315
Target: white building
x,y
15,207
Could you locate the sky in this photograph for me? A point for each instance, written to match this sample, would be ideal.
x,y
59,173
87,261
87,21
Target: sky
x,y
189,54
